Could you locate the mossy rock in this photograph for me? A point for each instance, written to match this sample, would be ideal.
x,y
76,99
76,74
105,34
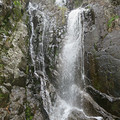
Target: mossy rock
x,y
4,96
77,3
115,2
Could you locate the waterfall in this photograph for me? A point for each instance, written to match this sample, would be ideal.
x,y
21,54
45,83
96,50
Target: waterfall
x,y
73,57
69,94
72,75
38,57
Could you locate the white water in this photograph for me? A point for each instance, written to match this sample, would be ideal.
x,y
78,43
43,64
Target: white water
x,y
40,55
72,61
70,93
71,53
60,2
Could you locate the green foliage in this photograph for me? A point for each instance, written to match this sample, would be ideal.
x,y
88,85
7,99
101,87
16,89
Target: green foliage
x,y
1,96
112,20
17,4
5,24
27,69
9,20
4,97
17,9
88,7
95,47
28,113
1,65
2,30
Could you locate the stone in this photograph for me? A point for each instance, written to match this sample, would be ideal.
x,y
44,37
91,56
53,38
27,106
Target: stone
x,y
78,115
109,103
38,116
13,53
17,102
16,56
4,115
8,86
17,94
102,55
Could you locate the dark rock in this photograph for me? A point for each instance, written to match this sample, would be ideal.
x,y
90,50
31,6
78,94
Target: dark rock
x,y
21,81
109,103
78,115
8,86
106,65
72,4
102,56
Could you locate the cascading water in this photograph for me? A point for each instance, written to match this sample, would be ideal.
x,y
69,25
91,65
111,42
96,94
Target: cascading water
x,y
72,56
38,57
71,80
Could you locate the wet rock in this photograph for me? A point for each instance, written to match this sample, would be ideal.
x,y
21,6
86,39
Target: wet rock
x,y
78,115
49,28
109,103
102,60
106,64
92,108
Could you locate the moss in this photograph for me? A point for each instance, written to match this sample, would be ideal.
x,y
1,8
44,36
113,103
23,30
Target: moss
x,y
115,2
1,73
111,20
27,69
17,10
27,18
28,113
115,108
63,10
4,98
95,46
77,3
9,20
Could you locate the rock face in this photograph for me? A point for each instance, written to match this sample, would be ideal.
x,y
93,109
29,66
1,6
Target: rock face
x,y
48,24
13,60
102,51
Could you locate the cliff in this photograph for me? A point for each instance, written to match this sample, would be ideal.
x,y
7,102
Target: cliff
x,y
20,96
